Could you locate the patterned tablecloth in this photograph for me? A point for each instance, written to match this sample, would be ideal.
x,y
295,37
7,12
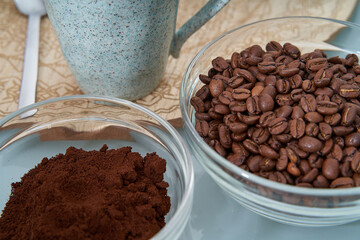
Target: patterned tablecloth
x,y
56,80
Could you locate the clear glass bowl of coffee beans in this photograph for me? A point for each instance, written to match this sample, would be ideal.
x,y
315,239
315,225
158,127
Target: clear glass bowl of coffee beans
x,y
271,111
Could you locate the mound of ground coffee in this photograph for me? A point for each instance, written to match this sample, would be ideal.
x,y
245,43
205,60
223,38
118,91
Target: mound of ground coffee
x,y
105,194
290,117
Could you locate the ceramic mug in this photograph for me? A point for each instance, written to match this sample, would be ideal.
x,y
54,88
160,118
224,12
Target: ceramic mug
x,y
120,48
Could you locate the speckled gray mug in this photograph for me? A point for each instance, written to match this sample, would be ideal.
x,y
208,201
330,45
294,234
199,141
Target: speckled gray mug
x,y
120,48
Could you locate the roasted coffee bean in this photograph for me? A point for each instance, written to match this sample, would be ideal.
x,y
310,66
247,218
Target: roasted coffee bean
x,y
297,128
322,97
203,93
202,127
297,112
267,66
238,137
312,130
234,61
236,158
325,131
340,101
225,136
221,109
241,94
342,131
238,127
266,164
266,118
253,163
278,126
293,170
313,117
337,152
339,141
284,99
235,82
282,161
252,105
310,144
355,163
315,161
273,46
218,147
270,80
230,118
268,152
220,64
198,104
266,102
349,90
282,86
333,119
214,115
260,135
292,155
310,175
287,72
328,145
283,112
345,169
297,94
356,179
245,74
352,140
225,97
308,86
284,138
320,182
249,120
324,91
330,168
216,87
316,64
237,106
251,146
308,103
271,90
239,149
327,107
291,50
348,115
256,91
342,182
304,167
202,116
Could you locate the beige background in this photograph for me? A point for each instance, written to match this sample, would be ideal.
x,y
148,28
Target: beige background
x,y
56,80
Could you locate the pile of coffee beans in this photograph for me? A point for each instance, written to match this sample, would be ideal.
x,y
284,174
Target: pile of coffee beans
x,y
282,115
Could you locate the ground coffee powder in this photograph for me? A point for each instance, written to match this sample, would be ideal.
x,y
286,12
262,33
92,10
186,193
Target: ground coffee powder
x,y
105,194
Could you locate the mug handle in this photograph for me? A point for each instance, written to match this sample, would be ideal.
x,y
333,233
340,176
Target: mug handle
x,y
194,23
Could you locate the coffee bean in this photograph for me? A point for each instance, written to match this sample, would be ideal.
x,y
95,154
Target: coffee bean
x,y
330,168
312,129
283,111
308,103
238,127
342,182
316,64
249,120
202,116
252,105
349,90
236,158
219,148
225,97
310,175
297,128
313,117
256,91
234,60
253,163
321,182
251,146
267,66
327,107
356,179
325,131
328,145
245,74
297,112
237,106
238,137
216,87
214,115
348,115
225,136
297,94
282,161
268,152
308,86
284,138
270,90
266,102
333,119
336,152
355,163
266,118
270,80
293,170
284,99
221,109
235,81
291,50
219,64
304,167
273,46
278,126
353,139
266,164
282,86
310,144
198,104
260,135
241,94
238,148
342,131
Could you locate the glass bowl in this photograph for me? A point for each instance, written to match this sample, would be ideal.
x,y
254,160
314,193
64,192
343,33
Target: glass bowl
x,y
280,202
89,122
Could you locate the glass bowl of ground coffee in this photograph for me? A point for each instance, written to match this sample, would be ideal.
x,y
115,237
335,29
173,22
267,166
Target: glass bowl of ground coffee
x,y
271,111
100,168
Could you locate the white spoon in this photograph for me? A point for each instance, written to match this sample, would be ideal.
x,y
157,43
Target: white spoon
x,y
34,9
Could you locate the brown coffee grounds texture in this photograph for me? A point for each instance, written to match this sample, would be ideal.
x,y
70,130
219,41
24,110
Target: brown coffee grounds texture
x,y
105,194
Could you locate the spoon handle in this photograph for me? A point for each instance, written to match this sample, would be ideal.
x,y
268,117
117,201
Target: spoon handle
x,y
30,69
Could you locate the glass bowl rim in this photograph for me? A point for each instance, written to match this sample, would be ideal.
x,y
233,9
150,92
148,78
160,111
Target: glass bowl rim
x,y
320,192
188,170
